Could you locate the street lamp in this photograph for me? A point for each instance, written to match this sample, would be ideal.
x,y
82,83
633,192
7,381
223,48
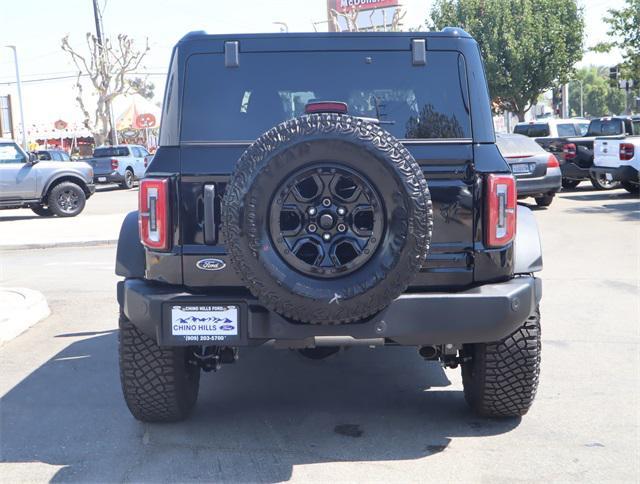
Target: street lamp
x,y
19,85
581,99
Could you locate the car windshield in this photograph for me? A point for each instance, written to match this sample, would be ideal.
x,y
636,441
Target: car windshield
x,y
512,146
110,151
533,130
9,153
222,103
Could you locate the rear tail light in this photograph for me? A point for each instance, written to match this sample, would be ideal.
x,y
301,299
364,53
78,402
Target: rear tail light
x,y
153,214
552,162
570,151
626,151
500,210
114,164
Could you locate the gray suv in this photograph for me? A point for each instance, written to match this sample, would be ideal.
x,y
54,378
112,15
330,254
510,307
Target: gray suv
x,y
47,187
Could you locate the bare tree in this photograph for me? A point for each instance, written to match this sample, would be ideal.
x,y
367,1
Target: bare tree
x,y
351,20
107,67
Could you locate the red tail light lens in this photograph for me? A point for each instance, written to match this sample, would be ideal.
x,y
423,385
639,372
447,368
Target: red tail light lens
x,y
114,164
570,151
626,151
552,162
326,107
153,214
501,205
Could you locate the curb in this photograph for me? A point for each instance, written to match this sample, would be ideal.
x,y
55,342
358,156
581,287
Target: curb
x,y
20,308
53,245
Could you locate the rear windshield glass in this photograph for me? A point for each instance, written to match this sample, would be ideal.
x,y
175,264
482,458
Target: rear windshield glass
x,y
536,130
566,130
241,103
110,151
607,127
514,145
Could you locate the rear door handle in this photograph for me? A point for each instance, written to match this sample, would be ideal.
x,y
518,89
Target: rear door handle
x,y
210,227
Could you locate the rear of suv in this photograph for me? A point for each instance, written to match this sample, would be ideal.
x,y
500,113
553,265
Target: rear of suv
x,y
316,191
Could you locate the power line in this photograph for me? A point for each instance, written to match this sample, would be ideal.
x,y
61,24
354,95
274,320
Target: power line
x,y
75,76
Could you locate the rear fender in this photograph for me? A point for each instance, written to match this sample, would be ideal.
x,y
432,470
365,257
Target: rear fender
x,y
528,249
130,257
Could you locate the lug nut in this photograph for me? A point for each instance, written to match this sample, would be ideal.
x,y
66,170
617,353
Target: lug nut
x,y
326,236
326,202
341,211
311,211
342,227
312,228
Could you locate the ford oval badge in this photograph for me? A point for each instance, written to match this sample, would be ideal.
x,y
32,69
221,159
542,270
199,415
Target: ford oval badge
x,y
210,264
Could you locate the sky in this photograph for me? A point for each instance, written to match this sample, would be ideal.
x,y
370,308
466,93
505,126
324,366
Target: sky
x,y
35,27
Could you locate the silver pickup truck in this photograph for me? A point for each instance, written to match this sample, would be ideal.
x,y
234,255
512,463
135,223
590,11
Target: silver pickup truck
x,y
47,187
121,164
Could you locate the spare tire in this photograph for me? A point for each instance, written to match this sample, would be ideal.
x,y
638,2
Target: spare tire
x,y
327,218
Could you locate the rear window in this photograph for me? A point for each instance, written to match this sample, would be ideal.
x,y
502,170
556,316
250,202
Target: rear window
x,y
110,151
636,126
514,145
534,130
606,127
241,103
566,130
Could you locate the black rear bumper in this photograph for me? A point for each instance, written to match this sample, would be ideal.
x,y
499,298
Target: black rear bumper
x,y
481,314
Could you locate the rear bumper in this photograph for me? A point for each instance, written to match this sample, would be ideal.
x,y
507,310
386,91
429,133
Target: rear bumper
x,y
573,171
624,173
548,184
108,178
482,314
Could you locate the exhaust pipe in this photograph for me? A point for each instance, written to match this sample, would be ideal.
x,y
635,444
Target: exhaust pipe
x,y
429,352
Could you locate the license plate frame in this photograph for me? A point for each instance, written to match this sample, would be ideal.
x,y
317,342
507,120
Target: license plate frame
x,y
102,178
202,323
521,168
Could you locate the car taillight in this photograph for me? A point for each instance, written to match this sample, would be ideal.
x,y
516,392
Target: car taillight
x,y
501,204
552,162
570,151
626,151
153,214
114,164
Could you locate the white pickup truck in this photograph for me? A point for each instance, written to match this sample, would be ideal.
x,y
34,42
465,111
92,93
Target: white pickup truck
x,y
618,158
122,164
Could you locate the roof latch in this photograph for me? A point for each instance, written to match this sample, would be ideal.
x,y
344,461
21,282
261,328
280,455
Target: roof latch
x,y
419,52
232,53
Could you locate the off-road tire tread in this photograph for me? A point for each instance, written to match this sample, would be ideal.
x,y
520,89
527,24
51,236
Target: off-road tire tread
x,y
253,160
156,384
505,373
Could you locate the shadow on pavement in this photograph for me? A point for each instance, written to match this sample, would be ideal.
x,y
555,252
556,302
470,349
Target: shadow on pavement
x,y
254,421
21,217
114,188
610,195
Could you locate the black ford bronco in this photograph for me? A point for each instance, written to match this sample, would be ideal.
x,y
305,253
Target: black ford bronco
x,y
315,191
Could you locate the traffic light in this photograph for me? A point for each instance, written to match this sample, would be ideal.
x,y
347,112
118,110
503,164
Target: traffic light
x,y
614,74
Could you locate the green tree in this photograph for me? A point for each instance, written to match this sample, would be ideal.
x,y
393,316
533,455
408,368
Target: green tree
x,y
599,98
528,46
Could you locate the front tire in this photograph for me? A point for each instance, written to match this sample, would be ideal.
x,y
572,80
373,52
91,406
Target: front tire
x,y
159,384
501,378
66,199
127,183
544,200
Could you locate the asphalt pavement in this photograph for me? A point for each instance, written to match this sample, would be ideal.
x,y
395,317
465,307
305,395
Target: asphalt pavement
x,y
361,415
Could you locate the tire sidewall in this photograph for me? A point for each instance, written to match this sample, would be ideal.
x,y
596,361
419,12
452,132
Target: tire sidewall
x,y
352,296
53,199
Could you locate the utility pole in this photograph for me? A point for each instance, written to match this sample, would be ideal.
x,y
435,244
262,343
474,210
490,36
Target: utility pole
x,y
19,89
113,134
331,27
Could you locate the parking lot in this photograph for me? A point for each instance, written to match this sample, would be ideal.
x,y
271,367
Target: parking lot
x,y
366,415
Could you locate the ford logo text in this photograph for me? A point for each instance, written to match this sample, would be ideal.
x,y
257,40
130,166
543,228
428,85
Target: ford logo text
x,y
210,264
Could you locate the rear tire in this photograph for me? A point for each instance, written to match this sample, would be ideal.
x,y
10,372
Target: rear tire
x,y
601,183
159,385
632,188
570,184
501,378
545,200
42,211
127,183
66,199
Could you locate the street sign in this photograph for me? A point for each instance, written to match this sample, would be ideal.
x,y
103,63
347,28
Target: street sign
x,y
344,6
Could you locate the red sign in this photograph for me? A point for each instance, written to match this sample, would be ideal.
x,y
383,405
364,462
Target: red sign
x,y
145,120
60,124
343,6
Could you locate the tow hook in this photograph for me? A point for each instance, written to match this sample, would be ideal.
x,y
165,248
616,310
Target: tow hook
x,y
211,358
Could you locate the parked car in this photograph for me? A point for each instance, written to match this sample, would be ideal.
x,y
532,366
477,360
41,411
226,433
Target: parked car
x,y
537,172
47,187
618,159
295,209
52,155
552,128
122,164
